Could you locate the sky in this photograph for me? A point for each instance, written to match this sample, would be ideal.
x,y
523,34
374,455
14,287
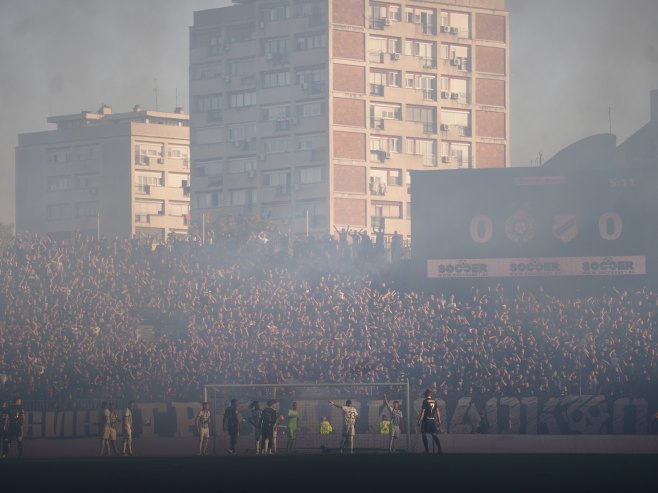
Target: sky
x,y
571,60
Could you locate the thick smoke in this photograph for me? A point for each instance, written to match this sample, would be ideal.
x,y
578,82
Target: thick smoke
x,y
570,61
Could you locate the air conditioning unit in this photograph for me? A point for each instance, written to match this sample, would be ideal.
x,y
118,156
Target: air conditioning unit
x,y
184,183
227,78
454,30
445,159
261,156
445,29
445,95
456,62
444,127
388,22
251,173
454,95
269,56
387,155
395,56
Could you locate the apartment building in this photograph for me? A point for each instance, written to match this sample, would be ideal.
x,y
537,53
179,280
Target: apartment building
x,y
313,112
113,175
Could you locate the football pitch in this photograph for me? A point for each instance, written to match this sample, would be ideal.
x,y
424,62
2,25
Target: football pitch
x,y
360,472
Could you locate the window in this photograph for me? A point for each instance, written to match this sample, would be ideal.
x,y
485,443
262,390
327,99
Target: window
x,y
385,144
275,79
244,165
205,71
57,183
274,146
209,103
312,175
315,210
238,133
311,142
147,180
275,13
206,167
424,115
275,46
83,181
243,99
204,200
311,75
310,41
311,108
241,197
59,211
62,155
276,179
391,210
425,148
178,208
86,209
242,67
274,113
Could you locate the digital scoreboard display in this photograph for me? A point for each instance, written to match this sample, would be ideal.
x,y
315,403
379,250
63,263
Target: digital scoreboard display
x,y
521,222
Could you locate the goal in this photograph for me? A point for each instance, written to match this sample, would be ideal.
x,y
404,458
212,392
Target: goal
x,y
313,406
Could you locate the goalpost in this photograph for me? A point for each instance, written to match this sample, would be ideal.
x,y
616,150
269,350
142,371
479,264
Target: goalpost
x,y
312,404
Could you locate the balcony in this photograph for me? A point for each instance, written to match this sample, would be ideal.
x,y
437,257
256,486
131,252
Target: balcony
x,y
215,180
282,125
377,188
376,89
455,131
378,222
376,57
313,87
429,95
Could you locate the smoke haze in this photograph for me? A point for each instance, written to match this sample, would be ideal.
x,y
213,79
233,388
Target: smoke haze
x,y
570,61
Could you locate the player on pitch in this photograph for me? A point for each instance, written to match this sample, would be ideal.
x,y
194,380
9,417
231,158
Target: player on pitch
x,y
231,423
202,423
256,411
351,418
430,421
395,420
268,420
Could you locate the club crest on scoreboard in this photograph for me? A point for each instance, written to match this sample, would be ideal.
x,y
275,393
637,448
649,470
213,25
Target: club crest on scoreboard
x,y
565,227
520,227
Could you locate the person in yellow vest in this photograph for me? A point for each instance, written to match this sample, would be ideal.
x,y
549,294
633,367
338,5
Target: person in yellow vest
x,y
325,427
384,426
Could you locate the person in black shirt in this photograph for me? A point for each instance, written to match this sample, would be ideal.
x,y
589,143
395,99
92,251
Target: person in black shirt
x,y
256,412
231,423
16,416
430,421
268,419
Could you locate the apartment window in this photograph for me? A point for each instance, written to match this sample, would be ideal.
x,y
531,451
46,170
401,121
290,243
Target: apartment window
x,y
310,41
458,23
454,52
425,148
274,113
242,67
315,210
244,165
275,146
178,152
311,142
311,108
275,79
83,181
311,75
243,99
237,133
241,197
391,210
275,46
84,153
215,45
424,115
62,155
58,183
205,71
312,175
385,144
276,179
208,167
86,209
455,117
178,209
386,78
204,200
147,180
59,211
275,13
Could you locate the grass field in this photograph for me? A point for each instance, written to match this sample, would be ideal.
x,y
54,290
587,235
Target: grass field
x,y
364,473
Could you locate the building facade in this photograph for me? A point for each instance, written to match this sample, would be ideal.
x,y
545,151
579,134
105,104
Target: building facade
x,y
313,112
113,175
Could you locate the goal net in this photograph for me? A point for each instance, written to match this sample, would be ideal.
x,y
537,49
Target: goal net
x,y
314,411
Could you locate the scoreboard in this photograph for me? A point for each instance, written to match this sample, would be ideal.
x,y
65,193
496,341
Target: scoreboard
x,y
520,222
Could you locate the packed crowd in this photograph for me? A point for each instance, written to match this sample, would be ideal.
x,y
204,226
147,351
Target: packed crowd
x,y
73,318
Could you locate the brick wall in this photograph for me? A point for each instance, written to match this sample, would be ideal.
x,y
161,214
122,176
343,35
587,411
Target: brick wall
x,y
350,211
349,178
350,12
490,124
490,92
350,112
490,60
490,27
490,155
350,145
349,78
349,45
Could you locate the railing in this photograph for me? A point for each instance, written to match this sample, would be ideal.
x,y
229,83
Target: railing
x,y
429,94
377,123
376,89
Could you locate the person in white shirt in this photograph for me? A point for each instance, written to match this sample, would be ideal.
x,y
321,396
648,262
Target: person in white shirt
x,y
351,417
128,429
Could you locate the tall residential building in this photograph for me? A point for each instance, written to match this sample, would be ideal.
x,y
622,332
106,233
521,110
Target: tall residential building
x,y
119,175
312,112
